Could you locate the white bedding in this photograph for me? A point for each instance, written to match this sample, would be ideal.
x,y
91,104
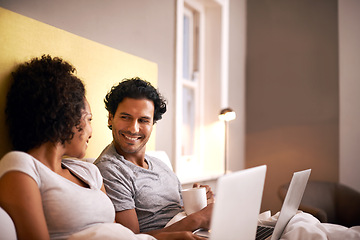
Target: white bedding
x,y
109,231
306,226
303,226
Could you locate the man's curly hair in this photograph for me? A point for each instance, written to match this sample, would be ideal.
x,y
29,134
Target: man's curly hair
x,y
44,103
138,89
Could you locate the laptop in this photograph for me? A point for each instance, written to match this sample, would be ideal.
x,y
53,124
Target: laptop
x,y
230,222
237,205
289,208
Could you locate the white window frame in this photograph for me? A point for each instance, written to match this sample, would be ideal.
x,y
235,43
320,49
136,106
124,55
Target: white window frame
x,y
193,161
191,169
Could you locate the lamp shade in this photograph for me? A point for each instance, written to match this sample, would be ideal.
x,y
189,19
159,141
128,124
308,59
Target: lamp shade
x,y
227,114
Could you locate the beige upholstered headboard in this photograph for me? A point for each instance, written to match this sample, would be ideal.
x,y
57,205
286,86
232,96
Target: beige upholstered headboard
x,y
99,66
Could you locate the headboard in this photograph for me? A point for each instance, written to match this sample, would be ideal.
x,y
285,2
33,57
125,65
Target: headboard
x,y
99,66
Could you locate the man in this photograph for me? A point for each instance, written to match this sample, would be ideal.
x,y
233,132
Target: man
x,y
145,192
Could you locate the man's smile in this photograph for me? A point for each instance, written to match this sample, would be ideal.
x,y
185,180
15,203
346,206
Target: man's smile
x,y
130,137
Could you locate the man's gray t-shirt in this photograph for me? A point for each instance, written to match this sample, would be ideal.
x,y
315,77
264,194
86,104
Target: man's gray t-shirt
x,y
155,193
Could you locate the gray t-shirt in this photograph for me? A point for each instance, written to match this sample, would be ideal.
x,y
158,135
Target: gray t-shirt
x,y
154,193
68,207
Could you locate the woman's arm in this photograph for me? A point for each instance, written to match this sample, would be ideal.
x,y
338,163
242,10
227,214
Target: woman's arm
x,y
20,197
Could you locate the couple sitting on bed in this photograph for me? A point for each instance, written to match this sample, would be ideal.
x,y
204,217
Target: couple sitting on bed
x,y
50,196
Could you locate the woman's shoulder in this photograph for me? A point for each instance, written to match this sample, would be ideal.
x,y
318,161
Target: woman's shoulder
x,y
16,155
15,158
81,165
84,169
78,163
22,162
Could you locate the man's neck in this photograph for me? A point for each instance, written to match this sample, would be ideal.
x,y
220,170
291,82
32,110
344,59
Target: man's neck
x,y
137,158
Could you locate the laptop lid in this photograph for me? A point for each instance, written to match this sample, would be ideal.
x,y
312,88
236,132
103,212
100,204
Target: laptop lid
x,y
237,205
292,201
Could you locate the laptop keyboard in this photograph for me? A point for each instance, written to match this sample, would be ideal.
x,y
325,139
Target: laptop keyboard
x,y
263,232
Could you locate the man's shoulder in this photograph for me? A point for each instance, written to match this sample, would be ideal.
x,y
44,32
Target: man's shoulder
x,y
108,161
107,156
112,169
158,162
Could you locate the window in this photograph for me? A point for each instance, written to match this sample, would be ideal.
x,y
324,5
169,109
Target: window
x,y
190,83
199,79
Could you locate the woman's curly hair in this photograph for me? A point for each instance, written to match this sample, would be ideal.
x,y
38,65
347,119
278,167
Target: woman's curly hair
x,y
138,89
44,103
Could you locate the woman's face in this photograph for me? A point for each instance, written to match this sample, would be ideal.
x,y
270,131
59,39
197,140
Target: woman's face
x,y
78,145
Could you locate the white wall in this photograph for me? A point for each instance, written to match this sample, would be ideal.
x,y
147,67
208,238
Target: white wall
x,y
349,78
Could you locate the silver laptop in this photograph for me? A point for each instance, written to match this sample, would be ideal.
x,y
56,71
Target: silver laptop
x,y
237,205
289,208
240,222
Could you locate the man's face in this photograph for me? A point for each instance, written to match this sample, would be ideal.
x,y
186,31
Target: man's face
x,y
132,125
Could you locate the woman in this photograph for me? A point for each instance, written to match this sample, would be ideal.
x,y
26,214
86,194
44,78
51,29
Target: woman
x,y
47,196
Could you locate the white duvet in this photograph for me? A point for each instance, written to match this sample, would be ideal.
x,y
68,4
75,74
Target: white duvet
x,y
306,226
109,231
301,226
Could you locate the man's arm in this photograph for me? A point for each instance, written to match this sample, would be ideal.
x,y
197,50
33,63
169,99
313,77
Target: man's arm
x,y
128,218
200,219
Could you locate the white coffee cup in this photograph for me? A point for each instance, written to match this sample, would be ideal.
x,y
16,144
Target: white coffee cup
x,y
194,199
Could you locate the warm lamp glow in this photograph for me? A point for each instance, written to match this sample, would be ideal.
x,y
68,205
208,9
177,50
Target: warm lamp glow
x,y
227,114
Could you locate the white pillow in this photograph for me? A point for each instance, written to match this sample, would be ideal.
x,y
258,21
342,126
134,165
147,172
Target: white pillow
x,y
7,227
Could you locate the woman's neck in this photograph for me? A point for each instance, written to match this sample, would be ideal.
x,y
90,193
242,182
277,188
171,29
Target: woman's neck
x,y
50,154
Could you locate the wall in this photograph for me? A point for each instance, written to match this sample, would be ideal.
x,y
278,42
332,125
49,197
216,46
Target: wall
x,y
145,28
349,38
292,91
273,134
89,58
237,53
135,27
